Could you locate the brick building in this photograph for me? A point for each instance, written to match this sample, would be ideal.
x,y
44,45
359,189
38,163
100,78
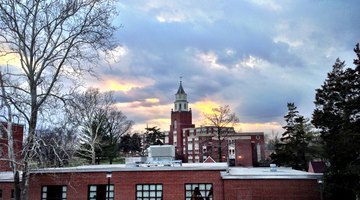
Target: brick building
x,y
17,132
214,181
240,149
197,144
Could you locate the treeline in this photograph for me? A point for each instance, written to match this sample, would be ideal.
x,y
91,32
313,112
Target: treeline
x,y
333,134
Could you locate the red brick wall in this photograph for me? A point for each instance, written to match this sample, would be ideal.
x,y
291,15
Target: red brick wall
x,y
243,153
18,140
271,189
6,190
183,120
173,183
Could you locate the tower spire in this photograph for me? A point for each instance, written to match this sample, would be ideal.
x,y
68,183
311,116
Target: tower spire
x,y
181,103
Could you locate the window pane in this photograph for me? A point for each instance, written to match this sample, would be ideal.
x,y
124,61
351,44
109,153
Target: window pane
x,y
158,194
194,186
208,186
139,187
152,194
159,187
146,194
93,188
146,187
152,187
138,194
188,194
111,187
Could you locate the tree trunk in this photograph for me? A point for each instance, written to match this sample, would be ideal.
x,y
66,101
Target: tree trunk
x,y
219,144
28,152
17,190
93,156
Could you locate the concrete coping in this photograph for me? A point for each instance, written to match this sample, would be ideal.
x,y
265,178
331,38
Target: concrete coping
x,y
123,167
7,177
268,173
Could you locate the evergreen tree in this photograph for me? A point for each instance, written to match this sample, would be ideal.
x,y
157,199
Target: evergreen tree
x,y
153,136
294,147
337,115
130,144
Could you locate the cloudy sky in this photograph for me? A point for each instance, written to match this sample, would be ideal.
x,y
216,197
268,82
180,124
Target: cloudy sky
x,y
254,55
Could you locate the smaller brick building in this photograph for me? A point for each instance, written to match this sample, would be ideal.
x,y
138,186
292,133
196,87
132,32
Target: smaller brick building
x,y
17,132
240,149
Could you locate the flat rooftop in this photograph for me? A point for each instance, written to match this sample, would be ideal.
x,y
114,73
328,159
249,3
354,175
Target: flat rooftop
x,y
124,167
7,177
225,171
266,173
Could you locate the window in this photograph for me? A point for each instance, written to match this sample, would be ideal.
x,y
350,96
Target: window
x,y
196,145
201,190
190,159
196,159
53,192
204,149
101,192
12,194
1,195
190,145
149,192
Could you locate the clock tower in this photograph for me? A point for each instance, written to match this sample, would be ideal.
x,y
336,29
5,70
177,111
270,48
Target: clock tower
x,y
181,117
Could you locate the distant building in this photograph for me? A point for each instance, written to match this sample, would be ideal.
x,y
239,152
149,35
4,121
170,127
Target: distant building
x,y
17,132
181,117
240,149
195,145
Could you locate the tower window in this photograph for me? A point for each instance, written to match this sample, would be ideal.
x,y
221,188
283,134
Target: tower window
x,y
175,106
185,106
179,106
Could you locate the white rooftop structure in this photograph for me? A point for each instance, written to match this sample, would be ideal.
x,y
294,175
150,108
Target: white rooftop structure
x,y
7,177
268,173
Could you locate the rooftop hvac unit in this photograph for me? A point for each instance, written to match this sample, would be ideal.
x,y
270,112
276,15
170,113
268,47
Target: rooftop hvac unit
x,y
162,151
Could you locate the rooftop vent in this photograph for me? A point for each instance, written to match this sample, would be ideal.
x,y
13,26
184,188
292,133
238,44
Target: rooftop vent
x,y
273,168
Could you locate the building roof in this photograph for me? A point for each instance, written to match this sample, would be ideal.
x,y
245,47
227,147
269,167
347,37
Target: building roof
x,y
317,166
123,167
7,176
181,89
267,173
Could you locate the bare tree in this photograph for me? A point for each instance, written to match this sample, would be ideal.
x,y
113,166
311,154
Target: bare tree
x,y
52,39
89,112
221,118
55,147
117,125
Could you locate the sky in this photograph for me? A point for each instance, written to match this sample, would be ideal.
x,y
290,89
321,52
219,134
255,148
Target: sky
x,y
253,55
